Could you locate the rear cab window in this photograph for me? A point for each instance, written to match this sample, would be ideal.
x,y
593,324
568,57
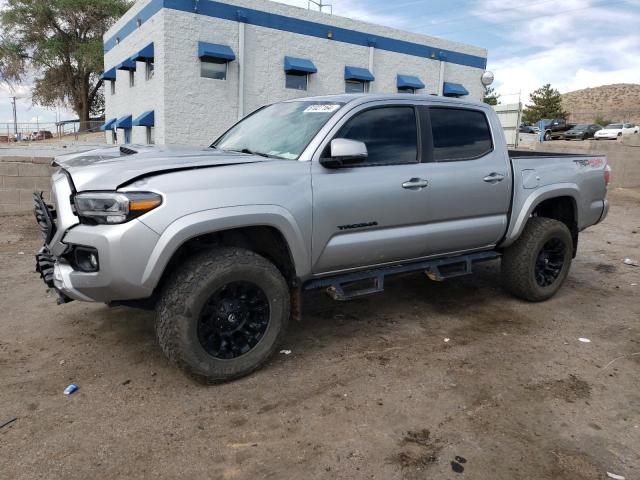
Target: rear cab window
x,y
459,134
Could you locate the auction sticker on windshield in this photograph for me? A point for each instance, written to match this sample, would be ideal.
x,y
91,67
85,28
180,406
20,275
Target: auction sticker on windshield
x,y
321,108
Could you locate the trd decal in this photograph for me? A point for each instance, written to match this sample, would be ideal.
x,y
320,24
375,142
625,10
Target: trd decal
x,y
590,162
357,225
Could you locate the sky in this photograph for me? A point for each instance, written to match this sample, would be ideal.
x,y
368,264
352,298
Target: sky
x,y
571,44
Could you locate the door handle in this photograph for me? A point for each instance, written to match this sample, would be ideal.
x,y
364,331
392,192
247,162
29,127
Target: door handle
x,y
415,184
494,177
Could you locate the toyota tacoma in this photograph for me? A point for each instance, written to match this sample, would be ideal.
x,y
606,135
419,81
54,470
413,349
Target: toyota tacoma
x,y
335,192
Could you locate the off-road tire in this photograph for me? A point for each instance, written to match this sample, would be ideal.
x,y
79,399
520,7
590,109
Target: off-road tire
x,y
187,291
519,259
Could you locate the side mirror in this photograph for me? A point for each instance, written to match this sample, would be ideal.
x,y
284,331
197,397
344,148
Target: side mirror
x,y
344,153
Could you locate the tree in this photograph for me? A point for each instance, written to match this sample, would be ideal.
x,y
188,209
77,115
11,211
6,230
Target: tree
x,y
491,97
59,44
600,120
546,102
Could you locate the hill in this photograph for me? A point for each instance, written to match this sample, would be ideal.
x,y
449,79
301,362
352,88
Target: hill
x,y
619,102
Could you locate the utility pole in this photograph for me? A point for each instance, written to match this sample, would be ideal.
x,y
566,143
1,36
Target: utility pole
x,y
320,4
15,116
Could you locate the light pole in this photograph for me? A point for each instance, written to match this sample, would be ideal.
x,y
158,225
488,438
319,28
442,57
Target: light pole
x,y
15,117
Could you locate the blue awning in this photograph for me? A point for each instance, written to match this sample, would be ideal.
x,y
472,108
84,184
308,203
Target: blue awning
x,y
123,122
407,81
109,74
454,90
213,51
356,73
109,125
144,55
128,64
145,120
299,65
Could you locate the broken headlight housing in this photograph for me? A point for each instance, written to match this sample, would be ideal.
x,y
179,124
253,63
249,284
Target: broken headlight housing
x,y
114,207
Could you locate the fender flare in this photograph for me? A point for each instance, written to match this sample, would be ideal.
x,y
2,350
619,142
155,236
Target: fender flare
x,y
522,209
227,218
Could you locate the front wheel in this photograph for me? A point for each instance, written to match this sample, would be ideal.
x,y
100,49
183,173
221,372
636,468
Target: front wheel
x,y
223,314
537,264
547,136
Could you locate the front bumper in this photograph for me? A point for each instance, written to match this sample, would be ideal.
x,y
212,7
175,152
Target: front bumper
x,y
124,252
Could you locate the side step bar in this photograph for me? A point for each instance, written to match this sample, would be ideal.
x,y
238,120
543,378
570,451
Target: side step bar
x,y
342,287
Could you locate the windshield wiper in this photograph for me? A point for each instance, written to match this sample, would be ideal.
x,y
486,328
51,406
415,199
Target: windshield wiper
x,y
250,152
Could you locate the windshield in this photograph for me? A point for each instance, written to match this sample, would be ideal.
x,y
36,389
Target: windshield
x,y
282,130
614,126
580,127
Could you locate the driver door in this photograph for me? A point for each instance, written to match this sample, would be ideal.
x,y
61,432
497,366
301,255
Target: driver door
x,y
371,213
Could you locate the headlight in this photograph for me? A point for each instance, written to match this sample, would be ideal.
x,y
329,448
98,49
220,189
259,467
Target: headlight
x,y
113,207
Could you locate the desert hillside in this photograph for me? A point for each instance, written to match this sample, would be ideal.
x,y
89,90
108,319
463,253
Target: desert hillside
x,y
616,103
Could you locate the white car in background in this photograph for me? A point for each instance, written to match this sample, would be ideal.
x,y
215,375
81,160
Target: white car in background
x,y
615,130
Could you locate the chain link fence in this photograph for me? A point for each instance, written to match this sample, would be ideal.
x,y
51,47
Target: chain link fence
x,y
50,132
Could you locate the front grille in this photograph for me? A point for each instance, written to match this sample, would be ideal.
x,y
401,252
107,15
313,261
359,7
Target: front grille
x,y
45,216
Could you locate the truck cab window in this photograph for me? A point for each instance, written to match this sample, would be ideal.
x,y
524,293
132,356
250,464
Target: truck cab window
x,y
390,134
459,134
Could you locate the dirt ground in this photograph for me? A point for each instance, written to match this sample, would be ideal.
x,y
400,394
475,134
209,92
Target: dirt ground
x,y
370,390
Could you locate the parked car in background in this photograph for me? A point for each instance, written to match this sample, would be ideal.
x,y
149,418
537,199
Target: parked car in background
x,y
555,127
528,129
44,135
615,130
582,132
40,135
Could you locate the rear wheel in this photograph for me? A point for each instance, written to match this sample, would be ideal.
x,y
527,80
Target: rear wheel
x,y
537,264
223,314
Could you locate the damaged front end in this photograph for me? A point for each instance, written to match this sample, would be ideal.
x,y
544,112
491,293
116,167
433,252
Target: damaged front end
x,y
45,260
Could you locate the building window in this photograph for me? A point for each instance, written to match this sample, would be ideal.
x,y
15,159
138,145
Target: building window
x,y
296,81
406,90
132,78
127,135
113,87
151,135
114,136
356,86
149,70
216,69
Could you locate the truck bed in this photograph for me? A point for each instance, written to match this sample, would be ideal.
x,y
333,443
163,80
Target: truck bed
x,y
538,176
531,153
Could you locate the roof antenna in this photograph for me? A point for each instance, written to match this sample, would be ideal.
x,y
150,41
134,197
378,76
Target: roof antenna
x,y
321,5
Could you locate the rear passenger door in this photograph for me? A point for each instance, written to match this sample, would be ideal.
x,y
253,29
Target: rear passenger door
x,y
469,180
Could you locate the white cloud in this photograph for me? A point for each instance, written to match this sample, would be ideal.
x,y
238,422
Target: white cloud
x,y
583,48
360,10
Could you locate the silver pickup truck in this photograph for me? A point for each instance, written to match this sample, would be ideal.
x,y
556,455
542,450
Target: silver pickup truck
x,y
334,192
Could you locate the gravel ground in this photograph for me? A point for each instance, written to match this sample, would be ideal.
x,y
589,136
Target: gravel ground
x,y
372,389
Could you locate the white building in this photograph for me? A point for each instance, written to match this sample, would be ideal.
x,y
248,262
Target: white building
x,y
183,71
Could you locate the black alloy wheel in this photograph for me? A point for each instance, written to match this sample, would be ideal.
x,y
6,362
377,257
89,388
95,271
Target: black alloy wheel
x,y
233,320
549,262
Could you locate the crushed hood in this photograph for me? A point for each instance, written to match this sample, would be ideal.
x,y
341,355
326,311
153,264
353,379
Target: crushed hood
x,y
112,167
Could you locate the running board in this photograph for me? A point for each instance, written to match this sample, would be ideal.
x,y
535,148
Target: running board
x,y
343,287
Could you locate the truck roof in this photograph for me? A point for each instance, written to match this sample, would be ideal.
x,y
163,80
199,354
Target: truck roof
x,y
372,97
